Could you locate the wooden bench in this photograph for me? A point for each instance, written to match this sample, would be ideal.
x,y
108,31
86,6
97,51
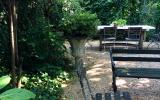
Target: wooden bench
x,y
134,72
114,96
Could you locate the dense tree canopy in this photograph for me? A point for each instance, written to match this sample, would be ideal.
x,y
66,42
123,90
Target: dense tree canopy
x,y
131,10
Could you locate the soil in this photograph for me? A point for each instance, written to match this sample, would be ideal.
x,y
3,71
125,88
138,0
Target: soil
x,y
99,74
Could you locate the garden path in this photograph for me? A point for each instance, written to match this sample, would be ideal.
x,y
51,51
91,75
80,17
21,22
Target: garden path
x,y
100,77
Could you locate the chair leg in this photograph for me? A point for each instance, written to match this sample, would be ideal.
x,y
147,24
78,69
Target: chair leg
x,y
114,87
126,45
137,46
104,47
113,43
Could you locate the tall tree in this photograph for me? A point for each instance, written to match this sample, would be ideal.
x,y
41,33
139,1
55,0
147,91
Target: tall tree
x,y
12,15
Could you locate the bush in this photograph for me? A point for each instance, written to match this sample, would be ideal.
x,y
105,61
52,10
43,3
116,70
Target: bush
x,y
47,84
3,70
83,24
120,22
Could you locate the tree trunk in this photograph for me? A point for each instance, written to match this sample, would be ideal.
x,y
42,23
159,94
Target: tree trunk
x,y
13,34
17,60
78,52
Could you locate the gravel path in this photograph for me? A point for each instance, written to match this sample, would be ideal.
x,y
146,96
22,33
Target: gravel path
x,y
100,77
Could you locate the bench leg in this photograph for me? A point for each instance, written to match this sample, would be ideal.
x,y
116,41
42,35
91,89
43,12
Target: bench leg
x,y
114,87
114,84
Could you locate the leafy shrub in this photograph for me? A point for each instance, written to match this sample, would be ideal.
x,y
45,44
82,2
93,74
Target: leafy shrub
x,y
38,42
81,24
3,70
4,40
44,87
47,84
52,70
120,22
14,94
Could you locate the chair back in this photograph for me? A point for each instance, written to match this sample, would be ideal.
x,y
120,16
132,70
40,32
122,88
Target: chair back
x,y
110,32
134,32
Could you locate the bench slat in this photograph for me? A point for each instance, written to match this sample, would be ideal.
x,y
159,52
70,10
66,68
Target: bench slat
x,y
143,59
107,96
138,72
117,96
135,51
126,96
98,96
151,72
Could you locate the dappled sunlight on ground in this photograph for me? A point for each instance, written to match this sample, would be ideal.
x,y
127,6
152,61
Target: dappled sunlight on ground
x,y
97,65
144,81
89,57
95,74
72,91
99,74
125,64
95,79
120,82
140,83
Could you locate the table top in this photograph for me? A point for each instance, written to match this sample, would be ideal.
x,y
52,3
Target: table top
x,y
145,27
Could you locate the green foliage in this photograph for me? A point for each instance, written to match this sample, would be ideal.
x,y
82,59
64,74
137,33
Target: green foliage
x,y
4,39
104,9
71,7
40,45
47,86
3,70
81,24
110,10
37,39
120,22
52,10
14,94
150,11
17,94
152,14
4,80
76,22
132,10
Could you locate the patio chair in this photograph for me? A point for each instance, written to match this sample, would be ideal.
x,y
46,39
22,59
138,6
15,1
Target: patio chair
x,y
109,34
154,40
133,35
